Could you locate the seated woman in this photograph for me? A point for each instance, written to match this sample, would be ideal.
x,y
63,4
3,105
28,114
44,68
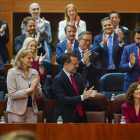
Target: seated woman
x,y
71,17
37,63
131,109
23,89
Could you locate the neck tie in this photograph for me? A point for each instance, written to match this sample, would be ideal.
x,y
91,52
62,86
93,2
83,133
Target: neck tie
x,y
110,52
71,43
82,54
139,63
79,106
36,26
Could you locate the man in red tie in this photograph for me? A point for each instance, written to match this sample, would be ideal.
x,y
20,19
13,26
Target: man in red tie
x,y
130,61
67,45
69,92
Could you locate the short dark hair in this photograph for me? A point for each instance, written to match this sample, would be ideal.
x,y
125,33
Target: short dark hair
x,y
106,18
26,19
129,95
137,30
80,36
67,57
112,12
69,25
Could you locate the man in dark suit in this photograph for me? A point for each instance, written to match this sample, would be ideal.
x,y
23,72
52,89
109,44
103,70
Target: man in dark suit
x,y
4,39
110,47
89,61
67,45
130,61
29,25
2,69
116,17
69,92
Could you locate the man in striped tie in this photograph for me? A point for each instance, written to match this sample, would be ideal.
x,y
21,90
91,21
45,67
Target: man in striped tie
x,y
69,92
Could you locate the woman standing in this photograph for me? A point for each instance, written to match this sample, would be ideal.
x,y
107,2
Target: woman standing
x,y
71,17
23,89
37,63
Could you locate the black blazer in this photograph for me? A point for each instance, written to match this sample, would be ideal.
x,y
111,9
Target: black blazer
x,y
2,69
3,41
94,68
19,40
66,99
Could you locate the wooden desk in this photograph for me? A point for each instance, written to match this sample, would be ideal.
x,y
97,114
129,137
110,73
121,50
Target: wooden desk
x,y
78,131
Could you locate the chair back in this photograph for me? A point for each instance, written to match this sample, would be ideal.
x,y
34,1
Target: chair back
x,y
96,109
48,66
118,101
112,83
2,87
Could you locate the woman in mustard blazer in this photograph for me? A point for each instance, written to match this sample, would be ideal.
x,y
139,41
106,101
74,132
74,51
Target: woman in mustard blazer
x,y
23,89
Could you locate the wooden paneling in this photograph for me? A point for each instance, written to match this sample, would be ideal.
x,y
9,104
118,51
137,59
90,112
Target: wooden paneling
x,y
78,131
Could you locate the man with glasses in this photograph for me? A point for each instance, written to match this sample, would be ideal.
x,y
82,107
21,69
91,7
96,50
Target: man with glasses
x,y
67,45
110,47
69,92
89,61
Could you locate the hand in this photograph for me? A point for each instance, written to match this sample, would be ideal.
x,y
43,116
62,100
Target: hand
x,y
105,38
41,58
78,20
132,59
120,34
3,27
92,92
35,82
87,54
37,37
69,47
27,34
41,24
87,62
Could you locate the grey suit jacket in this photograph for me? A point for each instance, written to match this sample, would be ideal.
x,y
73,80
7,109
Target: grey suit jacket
x,y
46,34
17,96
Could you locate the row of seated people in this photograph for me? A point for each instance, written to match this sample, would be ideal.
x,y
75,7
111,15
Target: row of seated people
x,y
37,25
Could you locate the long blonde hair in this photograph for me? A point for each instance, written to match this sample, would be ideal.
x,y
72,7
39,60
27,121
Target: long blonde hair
x,y
66,12
26,43
22,53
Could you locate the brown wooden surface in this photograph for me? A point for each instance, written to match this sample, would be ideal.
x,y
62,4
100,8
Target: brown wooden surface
x,y
78,131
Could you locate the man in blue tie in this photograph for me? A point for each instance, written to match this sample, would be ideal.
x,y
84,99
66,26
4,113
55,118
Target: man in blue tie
x,y
110,47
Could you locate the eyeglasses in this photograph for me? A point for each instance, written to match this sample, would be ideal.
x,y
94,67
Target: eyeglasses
x,y
87,40
75,64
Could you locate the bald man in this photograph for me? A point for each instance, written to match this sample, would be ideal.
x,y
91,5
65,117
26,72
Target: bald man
x,y
42,25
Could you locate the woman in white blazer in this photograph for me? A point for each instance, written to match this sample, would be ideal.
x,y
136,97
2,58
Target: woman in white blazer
x,y
23,89
71,17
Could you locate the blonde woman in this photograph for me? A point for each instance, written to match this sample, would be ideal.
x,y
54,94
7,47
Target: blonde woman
x,y
37,63
71,16
23,89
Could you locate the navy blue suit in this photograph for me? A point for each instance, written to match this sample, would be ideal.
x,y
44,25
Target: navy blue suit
x,y
125,31
2,69
19,40
104,56
61,47
3,41
93,69
66,99
132,73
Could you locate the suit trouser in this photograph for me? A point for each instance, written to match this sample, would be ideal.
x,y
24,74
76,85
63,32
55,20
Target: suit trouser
x,y
28,116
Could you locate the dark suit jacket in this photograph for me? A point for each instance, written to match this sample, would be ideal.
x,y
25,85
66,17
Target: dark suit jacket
x,y
128,111
3,41
19,40
125,31
132,73
66,99
104,56
94,68
61,47
2,69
